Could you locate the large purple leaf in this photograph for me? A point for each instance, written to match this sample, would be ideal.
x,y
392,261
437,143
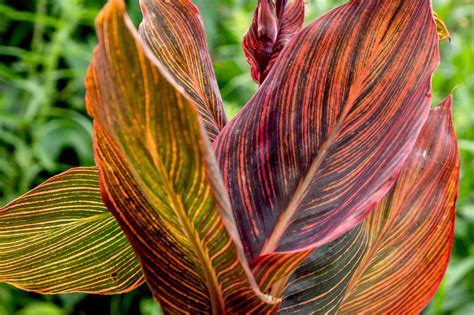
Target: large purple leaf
x,y
328,131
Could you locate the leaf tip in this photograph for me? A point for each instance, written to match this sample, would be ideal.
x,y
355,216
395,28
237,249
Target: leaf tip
x,y
446,104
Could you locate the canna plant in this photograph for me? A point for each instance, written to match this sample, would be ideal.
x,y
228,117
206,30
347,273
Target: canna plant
x,y
332,191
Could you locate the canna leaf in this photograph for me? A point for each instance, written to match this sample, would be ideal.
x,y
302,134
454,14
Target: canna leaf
x,y
328,131
412,227
394,261
274,23
159,178
60,238
174,31
320,281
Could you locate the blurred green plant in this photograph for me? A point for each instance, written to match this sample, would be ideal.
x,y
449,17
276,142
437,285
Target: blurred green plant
x,y
45,48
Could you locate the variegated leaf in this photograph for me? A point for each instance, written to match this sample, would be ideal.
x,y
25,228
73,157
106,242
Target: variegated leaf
x,y
160,180
394,261
326,134
60,238
174,31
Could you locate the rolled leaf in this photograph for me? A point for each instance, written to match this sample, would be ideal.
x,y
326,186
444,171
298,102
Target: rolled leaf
x,y
60,238
394,261
274,23
159,178
174,31
326,134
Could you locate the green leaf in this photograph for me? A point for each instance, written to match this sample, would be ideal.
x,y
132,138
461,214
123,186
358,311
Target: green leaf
x,y
60,238
41,308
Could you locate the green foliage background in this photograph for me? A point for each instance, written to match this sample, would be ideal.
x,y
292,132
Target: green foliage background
x,y
45,48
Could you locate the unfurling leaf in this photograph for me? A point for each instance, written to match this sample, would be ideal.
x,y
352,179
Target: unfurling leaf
x,y
159,179
274,23
327,132
174,31
60,238
394,261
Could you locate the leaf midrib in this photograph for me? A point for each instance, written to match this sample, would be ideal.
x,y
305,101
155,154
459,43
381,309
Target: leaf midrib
x,y
300,192
215,293
284,221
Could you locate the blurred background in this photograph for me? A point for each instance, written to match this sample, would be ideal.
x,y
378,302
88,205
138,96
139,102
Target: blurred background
x,y
45,48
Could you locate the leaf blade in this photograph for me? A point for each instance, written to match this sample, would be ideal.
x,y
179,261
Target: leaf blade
x,y
421,224
416,215
174,32
320,123
319,283
159,179
60,238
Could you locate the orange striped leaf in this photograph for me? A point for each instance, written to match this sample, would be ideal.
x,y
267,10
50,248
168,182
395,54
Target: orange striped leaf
x,y
328,131
174,31
60,238
159,178
394,261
